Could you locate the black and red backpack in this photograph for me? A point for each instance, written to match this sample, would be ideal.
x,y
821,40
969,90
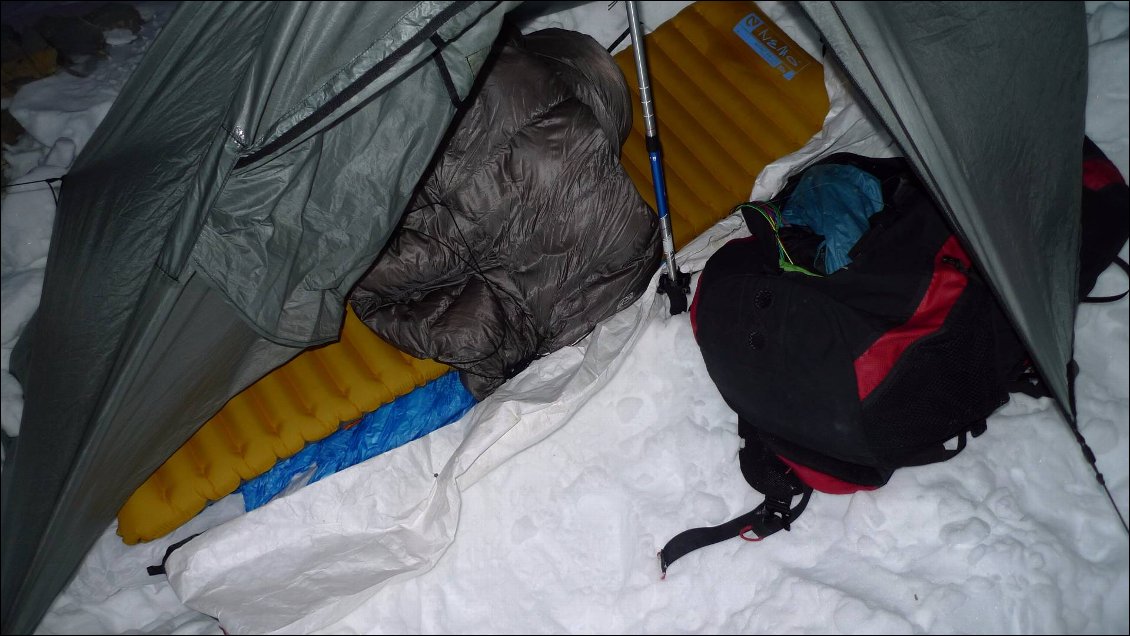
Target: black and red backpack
x,y
838,380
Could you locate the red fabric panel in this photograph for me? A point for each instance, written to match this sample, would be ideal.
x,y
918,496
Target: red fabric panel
x,y
822,482
1099,173
946,285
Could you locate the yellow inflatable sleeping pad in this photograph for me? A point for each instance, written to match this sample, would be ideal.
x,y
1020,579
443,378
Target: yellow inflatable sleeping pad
x,y
732,93
302,401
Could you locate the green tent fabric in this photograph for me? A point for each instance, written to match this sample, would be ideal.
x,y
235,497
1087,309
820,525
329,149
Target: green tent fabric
x,y
986,99
246,176
256,162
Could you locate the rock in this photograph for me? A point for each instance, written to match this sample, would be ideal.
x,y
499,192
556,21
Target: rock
x,y
10,44
71,36
10,128
23,57
115,15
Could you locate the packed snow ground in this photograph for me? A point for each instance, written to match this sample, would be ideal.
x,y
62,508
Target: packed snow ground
x,y
557,521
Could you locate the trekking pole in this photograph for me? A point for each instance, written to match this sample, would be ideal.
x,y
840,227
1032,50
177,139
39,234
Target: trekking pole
x,y
674,283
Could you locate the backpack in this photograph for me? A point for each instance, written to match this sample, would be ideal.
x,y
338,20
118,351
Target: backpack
x,y
840,378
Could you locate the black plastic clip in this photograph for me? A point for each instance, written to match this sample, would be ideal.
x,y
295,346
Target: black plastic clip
x,y
677,290
780,512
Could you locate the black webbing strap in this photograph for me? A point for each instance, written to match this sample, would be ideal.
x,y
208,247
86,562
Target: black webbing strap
x,y
939,452
155,570
772,515
445,74
1109,299
619,39
1031,384
769,476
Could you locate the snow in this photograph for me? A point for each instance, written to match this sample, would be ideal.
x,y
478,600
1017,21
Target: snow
x,y
552,497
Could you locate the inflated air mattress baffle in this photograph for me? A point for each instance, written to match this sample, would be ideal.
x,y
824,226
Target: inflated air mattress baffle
x,y
305,400
732,93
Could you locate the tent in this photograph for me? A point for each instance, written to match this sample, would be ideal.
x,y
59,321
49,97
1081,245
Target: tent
x,y
220,253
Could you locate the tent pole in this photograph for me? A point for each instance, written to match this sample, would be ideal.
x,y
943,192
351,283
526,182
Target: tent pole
x,y
674,283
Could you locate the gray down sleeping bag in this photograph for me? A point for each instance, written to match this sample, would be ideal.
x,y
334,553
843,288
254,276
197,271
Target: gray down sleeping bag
x,y
526,231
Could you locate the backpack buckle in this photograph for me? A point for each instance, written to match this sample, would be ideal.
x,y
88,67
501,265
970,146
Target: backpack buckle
x,y
777,514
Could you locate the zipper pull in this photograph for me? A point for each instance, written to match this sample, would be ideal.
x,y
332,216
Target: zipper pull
x,y
956,264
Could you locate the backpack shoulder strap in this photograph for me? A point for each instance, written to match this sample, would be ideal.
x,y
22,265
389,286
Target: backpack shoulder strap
x,y
769,476
1109,299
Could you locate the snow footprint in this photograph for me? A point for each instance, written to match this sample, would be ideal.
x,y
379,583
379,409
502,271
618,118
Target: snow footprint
x,y
969,532
628,408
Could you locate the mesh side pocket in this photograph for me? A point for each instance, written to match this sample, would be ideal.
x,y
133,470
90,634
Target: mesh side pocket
x,y
941,385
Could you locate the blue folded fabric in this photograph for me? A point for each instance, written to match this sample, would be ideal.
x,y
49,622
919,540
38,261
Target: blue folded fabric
x,y
835,202
406,418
